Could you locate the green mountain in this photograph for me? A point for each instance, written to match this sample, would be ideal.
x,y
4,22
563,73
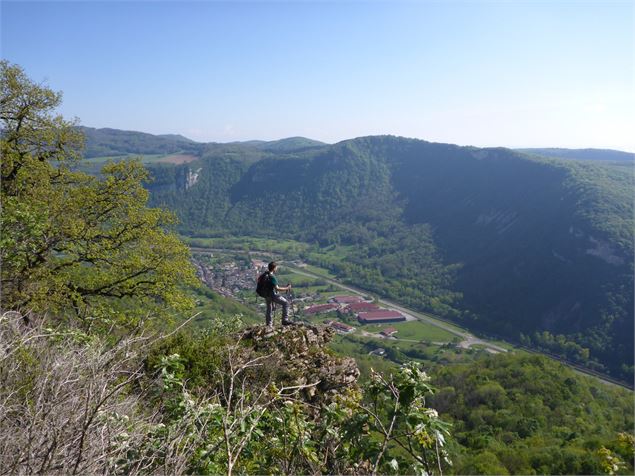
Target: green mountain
x,y
114,142
178,137
531,249
283,145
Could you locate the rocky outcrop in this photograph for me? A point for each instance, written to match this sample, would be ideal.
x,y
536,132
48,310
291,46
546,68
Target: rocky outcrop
x,y
299,356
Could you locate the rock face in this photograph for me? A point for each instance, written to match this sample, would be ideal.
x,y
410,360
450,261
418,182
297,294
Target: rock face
x,y
298,355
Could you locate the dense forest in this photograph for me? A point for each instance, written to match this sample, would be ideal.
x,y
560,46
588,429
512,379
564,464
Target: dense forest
x,y
527,415
505,243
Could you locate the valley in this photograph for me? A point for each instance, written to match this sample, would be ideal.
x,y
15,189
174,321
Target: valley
x,y
244,276
535,250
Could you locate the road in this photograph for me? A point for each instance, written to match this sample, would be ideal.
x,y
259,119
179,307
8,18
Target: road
x,y
467,341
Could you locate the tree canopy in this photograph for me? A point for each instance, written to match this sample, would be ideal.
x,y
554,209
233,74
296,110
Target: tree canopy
x,y
73,244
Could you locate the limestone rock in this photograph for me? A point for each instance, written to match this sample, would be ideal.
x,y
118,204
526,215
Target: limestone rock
x,y
299,355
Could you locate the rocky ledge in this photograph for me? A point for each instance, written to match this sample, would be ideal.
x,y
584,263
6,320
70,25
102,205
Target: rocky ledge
x,y
298,355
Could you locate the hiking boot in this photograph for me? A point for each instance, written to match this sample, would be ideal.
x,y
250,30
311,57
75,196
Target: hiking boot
x,y
286,322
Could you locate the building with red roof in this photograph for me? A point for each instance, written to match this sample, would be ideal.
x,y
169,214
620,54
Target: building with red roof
x,y
341,327
378,317
320,308
362,307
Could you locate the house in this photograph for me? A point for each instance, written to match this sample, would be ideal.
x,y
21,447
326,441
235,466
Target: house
x,y
320,308
388,331
381,316
345,299
361,307
341,327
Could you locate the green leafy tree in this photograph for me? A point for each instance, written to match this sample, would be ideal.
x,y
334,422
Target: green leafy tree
x,y
75,244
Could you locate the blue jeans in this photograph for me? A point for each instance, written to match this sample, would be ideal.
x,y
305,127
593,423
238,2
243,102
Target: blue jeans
x,y
276,298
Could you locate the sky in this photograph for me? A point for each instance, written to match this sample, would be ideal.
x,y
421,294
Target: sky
x,y
495,73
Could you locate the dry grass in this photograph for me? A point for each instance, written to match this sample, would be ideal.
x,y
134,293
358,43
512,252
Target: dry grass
x,y
72,406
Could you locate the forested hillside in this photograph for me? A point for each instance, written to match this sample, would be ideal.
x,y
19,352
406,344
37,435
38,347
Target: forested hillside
x,y
538,250
528,415
115,142
108,142
603,155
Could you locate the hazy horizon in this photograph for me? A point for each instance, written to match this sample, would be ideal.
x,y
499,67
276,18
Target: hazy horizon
x,y
349,138
517,75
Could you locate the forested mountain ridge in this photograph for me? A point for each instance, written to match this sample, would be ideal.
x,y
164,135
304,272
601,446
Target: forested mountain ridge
x,y
115,142
604,155
283,145
529,248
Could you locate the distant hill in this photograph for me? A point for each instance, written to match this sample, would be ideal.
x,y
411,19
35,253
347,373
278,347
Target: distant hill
x,y
604,155
178,137
505,243
283,145
290,144
114,142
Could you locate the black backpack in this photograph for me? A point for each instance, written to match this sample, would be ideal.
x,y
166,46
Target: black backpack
x,y
264,288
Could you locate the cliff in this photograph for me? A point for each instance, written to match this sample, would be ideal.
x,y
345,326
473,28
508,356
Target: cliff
x,y
299,356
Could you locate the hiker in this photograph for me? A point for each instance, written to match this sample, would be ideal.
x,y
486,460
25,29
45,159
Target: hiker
x,y
269,289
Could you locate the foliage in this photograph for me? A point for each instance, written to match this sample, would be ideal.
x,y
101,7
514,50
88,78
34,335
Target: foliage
x,y
558,345
211,307
75,403
72,242
531,415
299,427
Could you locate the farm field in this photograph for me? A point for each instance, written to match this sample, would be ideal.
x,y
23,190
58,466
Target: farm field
x,y
414,330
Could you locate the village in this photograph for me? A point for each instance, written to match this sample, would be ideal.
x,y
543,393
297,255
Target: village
x,y
235,277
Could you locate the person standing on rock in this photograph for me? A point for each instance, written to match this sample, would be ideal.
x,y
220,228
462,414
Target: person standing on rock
x,y
269,289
